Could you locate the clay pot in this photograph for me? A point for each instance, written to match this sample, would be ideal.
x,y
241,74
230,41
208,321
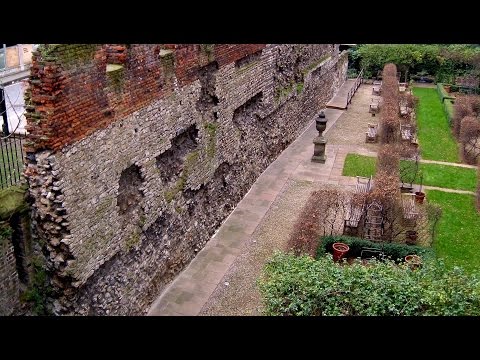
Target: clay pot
x,y
413,261
419,197
339,250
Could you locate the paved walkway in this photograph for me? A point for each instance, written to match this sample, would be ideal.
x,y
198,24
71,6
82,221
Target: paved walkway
x,y
427,187
339,101
447,163
188,293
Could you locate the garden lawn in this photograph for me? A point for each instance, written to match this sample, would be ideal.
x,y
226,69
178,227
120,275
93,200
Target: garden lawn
x,y
452,177
458,231
359,165
434,134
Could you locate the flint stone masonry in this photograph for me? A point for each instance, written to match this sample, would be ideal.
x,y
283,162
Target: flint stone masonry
x,y
9,282
207,127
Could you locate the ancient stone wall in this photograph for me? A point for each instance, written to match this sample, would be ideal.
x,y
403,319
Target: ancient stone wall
x,y
137,153
9,282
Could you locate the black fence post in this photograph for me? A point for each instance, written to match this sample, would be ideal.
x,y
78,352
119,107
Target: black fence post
x,y
3,111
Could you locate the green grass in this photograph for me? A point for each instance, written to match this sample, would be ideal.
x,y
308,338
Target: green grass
x,y
359,165
434,135
458,231
452,177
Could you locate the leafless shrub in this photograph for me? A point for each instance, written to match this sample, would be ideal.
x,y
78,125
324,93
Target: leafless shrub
x,y
463,107
387,193
388,159
323,210
469,138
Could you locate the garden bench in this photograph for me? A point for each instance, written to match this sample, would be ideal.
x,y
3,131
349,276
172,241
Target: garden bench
x,y
369,253
402,87
406,132
414,140
403,111
371,134
376,90
374,106
353,215
409,209
364,184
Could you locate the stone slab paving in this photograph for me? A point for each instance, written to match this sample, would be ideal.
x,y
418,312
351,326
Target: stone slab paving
x,y
191,289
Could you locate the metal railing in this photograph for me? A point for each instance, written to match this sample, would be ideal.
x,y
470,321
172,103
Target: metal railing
x,y
11,160
11,143
355,87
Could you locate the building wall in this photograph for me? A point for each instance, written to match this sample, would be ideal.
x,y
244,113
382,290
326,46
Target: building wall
x,y
132,170
13,59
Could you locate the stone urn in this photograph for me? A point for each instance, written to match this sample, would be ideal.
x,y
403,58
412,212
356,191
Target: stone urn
x,y
319,142
321,123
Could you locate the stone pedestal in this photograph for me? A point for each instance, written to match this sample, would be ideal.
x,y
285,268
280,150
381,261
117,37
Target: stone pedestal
x,y
320,142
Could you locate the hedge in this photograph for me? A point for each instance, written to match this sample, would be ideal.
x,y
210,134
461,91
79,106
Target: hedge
x,y
448,109
393,251
443,93
303,286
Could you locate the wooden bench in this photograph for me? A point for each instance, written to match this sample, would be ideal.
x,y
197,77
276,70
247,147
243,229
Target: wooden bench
x,y
374,106
414,140
409,208
368,252
376,90
404,111
402,87
353,216
371,135
406,132
364,184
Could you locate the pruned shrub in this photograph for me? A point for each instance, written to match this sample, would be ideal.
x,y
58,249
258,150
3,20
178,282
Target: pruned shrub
x,y
389,112
320,216
386,192
304,237
463,107
449,111
388,159
469,137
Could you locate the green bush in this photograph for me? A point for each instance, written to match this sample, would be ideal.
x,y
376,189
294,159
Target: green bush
x,y
448,108
292,285
396,252
443,93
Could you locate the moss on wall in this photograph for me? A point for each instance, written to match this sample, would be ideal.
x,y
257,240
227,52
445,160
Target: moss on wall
x,y
190,162
12,200
68,55
211,129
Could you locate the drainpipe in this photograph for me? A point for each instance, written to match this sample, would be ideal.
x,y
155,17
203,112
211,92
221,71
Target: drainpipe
x,y
20,56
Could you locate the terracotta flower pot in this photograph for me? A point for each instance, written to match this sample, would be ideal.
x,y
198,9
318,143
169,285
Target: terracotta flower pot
x,y
419,197
339,250
413,261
